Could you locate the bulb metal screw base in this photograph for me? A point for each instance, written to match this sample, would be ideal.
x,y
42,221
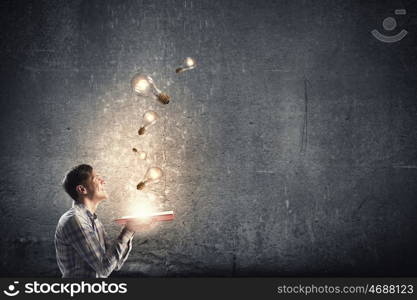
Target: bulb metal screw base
x,y
163,98
141,131
141,185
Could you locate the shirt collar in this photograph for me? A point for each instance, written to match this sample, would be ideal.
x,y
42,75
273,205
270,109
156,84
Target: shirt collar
x,y
81,206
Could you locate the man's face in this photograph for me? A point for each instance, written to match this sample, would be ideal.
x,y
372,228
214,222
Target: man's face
x,y
95,187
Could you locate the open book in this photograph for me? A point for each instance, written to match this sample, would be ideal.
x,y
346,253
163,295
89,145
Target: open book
x,y
158,216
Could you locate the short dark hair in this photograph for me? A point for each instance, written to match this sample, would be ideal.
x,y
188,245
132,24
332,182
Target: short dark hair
x,y
76,176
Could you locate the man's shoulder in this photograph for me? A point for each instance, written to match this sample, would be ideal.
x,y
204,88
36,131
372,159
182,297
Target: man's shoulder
x,y
70,217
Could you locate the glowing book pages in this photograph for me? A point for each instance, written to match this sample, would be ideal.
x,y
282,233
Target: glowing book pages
x,y
154,217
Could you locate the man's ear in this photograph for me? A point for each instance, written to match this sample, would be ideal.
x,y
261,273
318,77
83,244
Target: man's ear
x,y
81,189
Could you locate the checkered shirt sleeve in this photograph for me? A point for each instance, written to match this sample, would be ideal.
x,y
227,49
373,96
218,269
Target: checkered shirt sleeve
x,y
78,231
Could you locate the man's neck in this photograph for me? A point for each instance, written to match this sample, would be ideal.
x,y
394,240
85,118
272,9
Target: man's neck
x,y
90,205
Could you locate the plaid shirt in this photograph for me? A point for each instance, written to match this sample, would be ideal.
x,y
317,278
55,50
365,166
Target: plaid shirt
x,y
83,248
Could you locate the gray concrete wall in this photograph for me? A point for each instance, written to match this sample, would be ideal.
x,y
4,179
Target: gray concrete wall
x,y
290,150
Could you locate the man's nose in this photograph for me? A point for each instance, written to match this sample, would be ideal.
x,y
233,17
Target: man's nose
x,y
102,180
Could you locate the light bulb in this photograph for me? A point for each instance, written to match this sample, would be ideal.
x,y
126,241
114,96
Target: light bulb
x,y
141,85
152,176
188,64
141,154
149,118
144,85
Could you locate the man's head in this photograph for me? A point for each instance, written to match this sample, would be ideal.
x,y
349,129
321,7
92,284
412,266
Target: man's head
x,y
82,182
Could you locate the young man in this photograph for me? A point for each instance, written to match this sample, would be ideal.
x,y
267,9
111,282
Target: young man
x,y
83,248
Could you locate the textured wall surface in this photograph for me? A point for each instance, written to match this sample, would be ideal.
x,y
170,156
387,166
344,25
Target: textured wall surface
x,y
289,150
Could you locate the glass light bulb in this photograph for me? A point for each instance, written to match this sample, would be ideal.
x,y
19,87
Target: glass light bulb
x,y
141,154
141,85
149,118
188,64
152,176
144,85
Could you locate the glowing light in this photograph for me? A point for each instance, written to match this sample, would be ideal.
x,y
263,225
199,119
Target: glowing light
x,y
143,208
188,64
149,118
144,85
152,176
